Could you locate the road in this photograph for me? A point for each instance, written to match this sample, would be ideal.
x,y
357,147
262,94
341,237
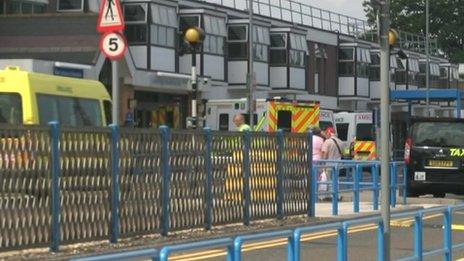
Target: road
x,y
362,242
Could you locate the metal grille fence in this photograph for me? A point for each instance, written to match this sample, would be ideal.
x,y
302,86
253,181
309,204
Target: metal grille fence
x,y
187,181
24,186
75,184
227,178
296,173
85,183
140,181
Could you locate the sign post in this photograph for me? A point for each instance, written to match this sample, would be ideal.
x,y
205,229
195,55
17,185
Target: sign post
x,y
113,45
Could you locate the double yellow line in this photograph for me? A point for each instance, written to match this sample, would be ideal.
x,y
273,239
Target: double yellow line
x,y
405,222
268,244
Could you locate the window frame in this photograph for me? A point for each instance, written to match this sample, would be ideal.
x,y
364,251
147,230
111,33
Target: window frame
x,y
69,10
135,4
237,42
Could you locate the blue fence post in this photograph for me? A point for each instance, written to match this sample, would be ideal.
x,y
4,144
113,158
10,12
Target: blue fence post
x,y
357,175
380,241
313,195
393,183
209,180
375,183
55,235
166,180
114,229
280,174
448,233
342,241
335,189
246,177
418,236
311,178
405,184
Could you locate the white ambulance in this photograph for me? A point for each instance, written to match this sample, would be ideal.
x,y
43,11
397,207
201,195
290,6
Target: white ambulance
x,y
356,129
270,114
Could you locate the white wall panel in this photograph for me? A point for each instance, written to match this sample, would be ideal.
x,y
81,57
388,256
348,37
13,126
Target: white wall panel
x,y
163,59
214,67
363,87
297,78
237,71
278,77
346,86
139,54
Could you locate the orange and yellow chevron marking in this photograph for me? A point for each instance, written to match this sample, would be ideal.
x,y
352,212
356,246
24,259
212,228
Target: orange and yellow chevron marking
x,y
272,117
365,146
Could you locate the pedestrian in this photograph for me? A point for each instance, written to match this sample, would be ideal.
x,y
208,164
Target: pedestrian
x,y
318,140
239,121
331,150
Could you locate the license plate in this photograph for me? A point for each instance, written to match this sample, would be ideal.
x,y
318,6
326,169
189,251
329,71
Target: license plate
x,y
419,175
441,163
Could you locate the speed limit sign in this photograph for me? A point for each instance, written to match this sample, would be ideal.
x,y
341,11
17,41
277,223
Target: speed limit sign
x,y
113,45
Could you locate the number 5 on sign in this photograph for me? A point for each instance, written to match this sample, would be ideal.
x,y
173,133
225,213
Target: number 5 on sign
x,y
113,45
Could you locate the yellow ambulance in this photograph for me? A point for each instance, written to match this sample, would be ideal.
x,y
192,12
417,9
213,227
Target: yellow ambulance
x,y
35,98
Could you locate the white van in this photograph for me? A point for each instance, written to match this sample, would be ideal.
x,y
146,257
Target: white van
x,y
326,119
356,128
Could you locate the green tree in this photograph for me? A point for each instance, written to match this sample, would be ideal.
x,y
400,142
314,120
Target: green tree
x,y
446,22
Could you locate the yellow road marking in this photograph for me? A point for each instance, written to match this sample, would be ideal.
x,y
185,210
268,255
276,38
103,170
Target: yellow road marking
x,y
457,227
409,221
267,244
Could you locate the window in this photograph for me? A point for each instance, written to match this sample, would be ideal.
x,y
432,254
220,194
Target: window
x,y
136,33
135,16
237,33
70,5
224,122
188,21
2,7
246,118
363,59
440,134
364,132
346,61
278,49
108,108
69,111
284,120
342,130
261,43
237,41
298,49
346,54
215,30
164,25
374,73
13,7
10,108
135,13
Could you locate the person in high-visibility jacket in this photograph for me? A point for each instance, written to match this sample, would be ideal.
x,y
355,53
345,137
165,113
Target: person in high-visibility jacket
x,y
239,121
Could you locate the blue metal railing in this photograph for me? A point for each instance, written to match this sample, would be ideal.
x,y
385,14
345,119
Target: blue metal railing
x,y
234,246
355,183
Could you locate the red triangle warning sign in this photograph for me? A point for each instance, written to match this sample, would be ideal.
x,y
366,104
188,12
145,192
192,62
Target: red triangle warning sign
x,y
110,18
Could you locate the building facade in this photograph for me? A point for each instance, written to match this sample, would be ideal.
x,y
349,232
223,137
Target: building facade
x,y
299,52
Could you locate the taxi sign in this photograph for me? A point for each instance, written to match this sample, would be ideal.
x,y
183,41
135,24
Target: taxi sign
x,y
113,45
110,18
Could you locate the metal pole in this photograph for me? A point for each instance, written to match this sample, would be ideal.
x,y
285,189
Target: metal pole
x,y
427,70
115,92
194,87
250,76
384,122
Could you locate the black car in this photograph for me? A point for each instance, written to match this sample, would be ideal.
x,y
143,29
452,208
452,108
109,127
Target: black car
x,y
434,154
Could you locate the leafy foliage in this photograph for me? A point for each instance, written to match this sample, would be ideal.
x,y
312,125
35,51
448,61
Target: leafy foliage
x,y
446,21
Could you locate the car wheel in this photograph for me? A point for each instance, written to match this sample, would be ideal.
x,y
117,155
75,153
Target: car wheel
x,y
439,195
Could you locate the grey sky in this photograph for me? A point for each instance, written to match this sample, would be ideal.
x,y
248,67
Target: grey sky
x,y
347,7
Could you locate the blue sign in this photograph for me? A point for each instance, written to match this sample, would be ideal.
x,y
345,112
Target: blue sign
x,y
68,72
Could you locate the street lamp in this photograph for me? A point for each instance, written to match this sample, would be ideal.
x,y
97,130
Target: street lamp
x,y
194,37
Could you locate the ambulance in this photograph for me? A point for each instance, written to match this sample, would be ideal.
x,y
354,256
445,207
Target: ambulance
x,y
356,130
326,119
270,114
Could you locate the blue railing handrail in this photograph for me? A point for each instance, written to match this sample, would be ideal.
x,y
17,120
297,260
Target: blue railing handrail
x,y
215,243
234,246
142,253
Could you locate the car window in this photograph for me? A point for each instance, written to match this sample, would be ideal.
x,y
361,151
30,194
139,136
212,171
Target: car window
x,y
439,134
